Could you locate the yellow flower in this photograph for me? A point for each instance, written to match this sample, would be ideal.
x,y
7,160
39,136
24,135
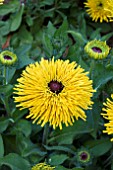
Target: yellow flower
x,y
42,166
109,9
7,58
109,116
97,49
55,92
97,9
1,2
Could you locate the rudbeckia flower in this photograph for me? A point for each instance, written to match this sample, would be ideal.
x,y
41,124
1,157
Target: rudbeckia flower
x,y
108,115
98,9
109,9
57,92
7,58
97,49
1,2
42,166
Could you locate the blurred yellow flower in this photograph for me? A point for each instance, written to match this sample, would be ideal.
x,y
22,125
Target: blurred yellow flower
x,y
109,9
42,166
1,2
108,114
57,92
98,9
97,49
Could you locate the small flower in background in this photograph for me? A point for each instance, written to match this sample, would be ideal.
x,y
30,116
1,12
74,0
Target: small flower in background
x,y
108,115
55,92
97,49
84,157
42,166
1,2
7,58
97,9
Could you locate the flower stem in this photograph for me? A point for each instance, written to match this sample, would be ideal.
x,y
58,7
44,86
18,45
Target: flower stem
x,y
5,75
4,98
45,134
92,65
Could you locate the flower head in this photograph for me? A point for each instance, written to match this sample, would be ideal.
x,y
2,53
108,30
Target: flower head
x,y
84,157
108,115
1,2
42,166
109,9
97,49
98,9
55,92
7,58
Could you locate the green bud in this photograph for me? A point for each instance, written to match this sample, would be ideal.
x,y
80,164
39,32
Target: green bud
x,y
7,58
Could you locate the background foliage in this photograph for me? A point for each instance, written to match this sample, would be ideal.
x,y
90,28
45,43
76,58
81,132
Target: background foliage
x,y
44,28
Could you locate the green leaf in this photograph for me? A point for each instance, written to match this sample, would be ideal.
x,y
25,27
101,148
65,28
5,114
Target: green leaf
x,y
101,75
61,31
83,64
1,147
6,89
94,117
60,148
112,165
4,124
18,114
50,28
16,19
82,24
95,34
4,27
59,167
22,50
107,36
11,7
23,55
74,53
99,147
33,150
57,159
48,45
67,134
64,4
29,20
26,147
63,168
24,35
10,73
106,26
24,61
77,37
77,168
15,162
23,126
45,2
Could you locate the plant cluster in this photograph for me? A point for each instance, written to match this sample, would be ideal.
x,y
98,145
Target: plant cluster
x,y
56,84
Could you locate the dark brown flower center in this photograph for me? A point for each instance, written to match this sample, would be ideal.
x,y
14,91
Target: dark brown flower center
x,y
55,86
100,4
7,57
97,49
83,156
